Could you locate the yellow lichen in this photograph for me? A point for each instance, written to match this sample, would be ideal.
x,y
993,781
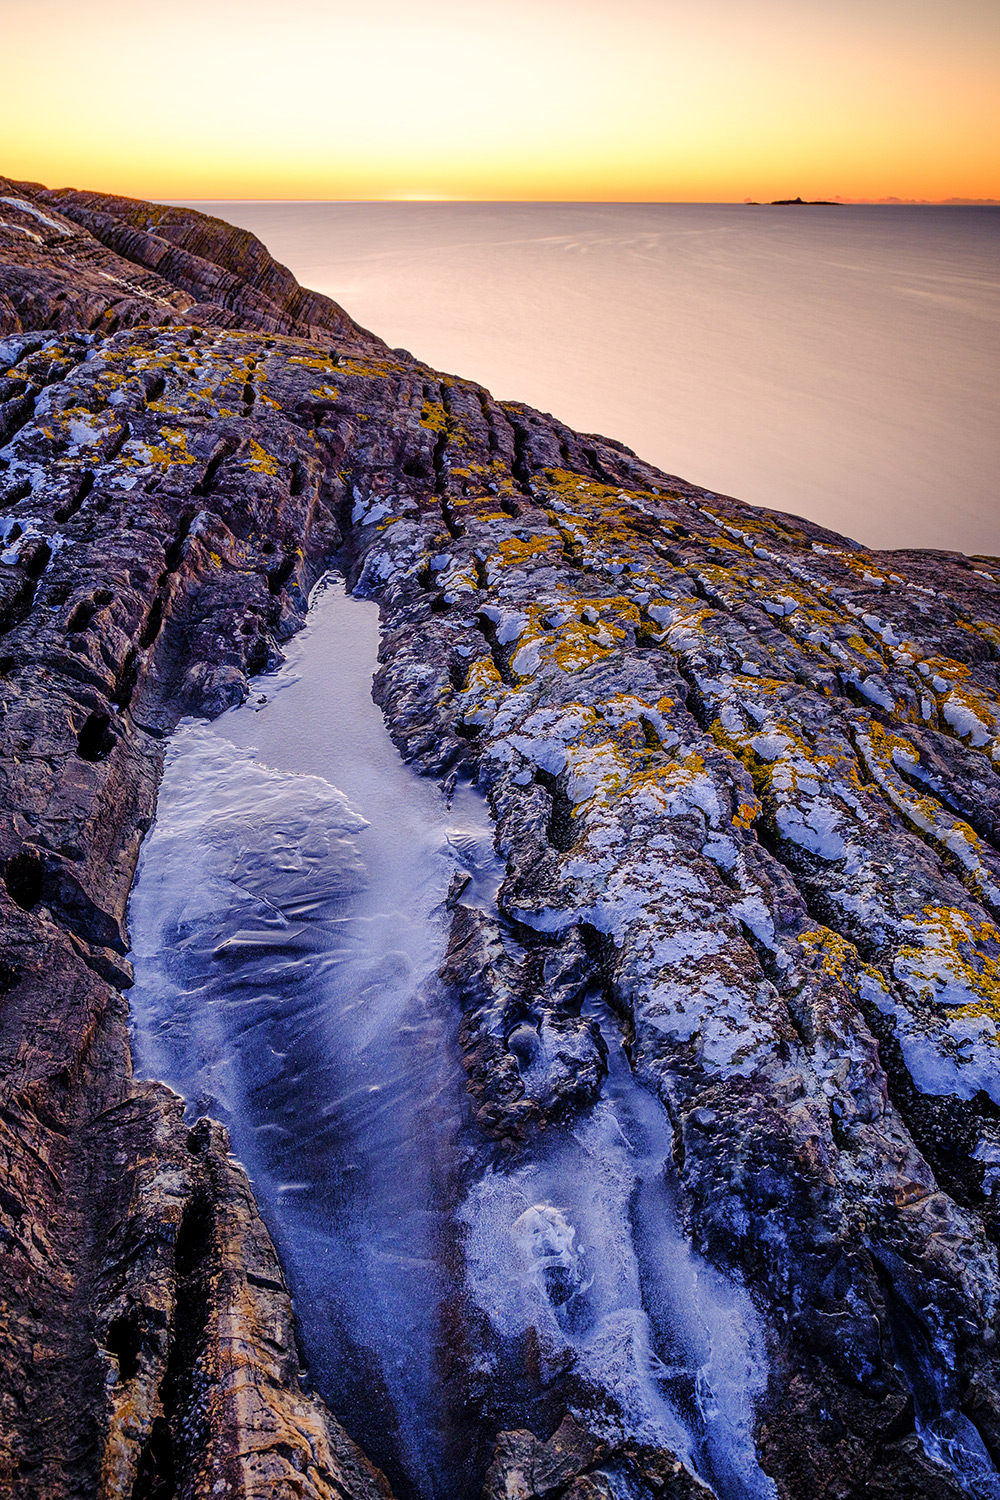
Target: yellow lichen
x,y
513,550
747,814
176,453
260,460
578,646
954,951
482,674
434,417
838,957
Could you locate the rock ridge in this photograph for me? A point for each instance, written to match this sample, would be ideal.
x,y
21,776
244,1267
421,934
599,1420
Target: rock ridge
x,y
744,776
141,262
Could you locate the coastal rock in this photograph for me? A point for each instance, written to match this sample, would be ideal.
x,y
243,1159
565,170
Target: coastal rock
x,y
148,1335
71,260
195,1326
574,1463
744,776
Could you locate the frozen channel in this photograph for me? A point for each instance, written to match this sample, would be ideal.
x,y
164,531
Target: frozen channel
x,y
288,924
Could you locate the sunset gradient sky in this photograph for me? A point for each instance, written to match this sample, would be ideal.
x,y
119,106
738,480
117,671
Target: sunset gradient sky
x,y
689,100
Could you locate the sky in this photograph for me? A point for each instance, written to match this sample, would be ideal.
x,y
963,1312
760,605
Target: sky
x,y
606,100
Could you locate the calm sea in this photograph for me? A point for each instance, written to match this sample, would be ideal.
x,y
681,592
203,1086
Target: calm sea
x,y
838,363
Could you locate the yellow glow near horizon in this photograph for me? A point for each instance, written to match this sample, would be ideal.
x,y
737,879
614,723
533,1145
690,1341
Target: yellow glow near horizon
x,y
527,99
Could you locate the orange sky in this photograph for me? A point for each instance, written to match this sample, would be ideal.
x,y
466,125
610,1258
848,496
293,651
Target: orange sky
x,y
705,100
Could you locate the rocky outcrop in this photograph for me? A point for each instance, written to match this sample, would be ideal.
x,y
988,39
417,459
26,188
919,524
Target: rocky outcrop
x,y
72,260
147,1333
744,778
579,1466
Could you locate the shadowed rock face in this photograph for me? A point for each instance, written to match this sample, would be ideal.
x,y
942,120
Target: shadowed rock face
x,y
744,779
91,260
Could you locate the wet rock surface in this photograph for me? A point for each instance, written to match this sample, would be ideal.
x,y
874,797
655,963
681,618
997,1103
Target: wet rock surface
x,y
744,777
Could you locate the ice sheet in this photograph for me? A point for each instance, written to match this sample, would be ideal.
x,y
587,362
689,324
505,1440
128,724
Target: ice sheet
x,y
583,1245
287,927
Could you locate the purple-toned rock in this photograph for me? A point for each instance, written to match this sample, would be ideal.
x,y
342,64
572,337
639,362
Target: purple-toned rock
x,y
744,777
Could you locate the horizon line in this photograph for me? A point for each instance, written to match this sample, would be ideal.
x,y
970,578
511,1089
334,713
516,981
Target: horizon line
x,y
889,202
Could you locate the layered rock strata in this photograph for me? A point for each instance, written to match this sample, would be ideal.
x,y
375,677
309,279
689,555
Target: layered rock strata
x,y
78,261
744,775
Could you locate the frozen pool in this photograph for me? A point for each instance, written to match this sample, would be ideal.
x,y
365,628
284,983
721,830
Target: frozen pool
x,y
288,924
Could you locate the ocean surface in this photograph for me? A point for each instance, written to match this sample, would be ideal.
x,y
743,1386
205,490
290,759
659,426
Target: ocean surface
x,y
838,363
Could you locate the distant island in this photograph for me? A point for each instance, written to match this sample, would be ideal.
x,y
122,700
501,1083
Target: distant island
x,y
876,202
791,202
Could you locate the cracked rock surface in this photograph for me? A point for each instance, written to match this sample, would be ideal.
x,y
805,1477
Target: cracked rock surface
x,y
744,777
